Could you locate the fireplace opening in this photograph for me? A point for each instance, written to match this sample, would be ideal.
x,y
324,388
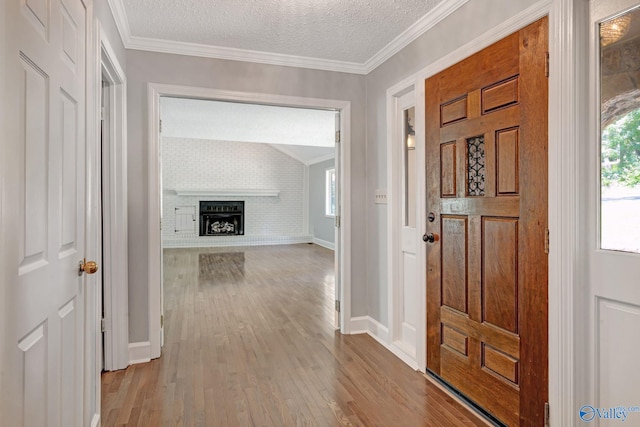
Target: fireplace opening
x,y
221,218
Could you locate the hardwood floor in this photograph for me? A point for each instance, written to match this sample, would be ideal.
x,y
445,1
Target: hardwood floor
x,y
249,341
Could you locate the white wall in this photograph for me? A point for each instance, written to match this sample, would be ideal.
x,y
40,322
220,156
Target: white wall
x,y
203,164
150,67
320,226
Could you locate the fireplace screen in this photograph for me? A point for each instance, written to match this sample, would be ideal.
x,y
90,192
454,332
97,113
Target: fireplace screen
x,y
221,218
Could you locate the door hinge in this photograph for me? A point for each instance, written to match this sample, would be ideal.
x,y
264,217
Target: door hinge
x,y
546,414
102,113
160,127
103,325
337,221
337,137
338,306
162,320
546,241
546,64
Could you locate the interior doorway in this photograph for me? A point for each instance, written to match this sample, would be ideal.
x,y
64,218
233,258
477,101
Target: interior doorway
x,y
237,175
342,220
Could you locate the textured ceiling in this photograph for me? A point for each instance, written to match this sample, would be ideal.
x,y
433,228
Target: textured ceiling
x,y
304,134
336,30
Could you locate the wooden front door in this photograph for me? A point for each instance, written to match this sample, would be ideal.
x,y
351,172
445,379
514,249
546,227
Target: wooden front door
x,y
486,130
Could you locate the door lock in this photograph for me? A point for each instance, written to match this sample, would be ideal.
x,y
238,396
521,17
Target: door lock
x,y
429,238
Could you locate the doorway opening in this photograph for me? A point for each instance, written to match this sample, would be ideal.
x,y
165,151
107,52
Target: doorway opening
x,y
239,175
186,216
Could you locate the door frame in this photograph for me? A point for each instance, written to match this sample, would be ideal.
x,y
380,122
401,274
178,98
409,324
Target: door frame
x,y
568,121
154,92
114,206
394,218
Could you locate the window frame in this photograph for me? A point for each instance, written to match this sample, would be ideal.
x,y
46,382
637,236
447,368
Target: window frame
x,y
329,195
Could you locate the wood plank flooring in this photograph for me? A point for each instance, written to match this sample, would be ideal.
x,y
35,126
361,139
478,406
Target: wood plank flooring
x,y
249,341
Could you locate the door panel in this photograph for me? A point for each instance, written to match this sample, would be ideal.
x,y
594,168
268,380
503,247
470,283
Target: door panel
x,y
46,144
612,229
486,124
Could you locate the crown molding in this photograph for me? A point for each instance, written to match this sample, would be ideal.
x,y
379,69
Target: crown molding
x,y
122,23
440,12
232,54
424,24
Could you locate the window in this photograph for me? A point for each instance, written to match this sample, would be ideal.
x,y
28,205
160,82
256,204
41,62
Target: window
x,y
330,192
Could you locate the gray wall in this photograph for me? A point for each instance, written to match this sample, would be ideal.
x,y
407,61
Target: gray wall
x,y
460,28
144,67
320,226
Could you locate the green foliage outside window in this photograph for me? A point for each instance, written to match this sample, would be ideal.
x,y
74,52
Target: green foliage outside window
x,y
621,151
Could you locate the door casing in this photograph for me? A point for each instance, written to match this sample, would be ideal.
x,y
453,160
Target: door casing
x,y
114,206
155,91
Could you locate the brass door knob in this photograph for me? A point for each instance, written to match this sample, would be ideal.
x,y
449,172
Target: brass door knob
x,y
88,267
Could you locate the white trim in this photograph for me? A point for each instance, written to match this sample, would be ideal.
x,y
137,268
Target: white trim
x,y
566,132
139,352
395,211
95,421
433,17
114,209
231,241
424,24
305,200
376,330
232,54
92,340
154,92
324,243
359,325
122,22
214,192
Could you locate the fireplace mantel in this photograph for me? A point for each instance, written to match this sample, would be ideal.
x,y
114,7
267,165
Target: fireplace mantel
x,y
258,192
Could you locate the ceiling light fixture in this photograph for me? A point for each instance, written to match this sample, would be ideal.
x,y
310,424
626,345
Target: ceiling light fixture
x,y
613,30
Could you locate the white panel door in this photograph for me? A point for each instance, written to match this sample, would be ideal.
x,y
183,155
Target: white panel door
x,y
43,222
614,219
406,293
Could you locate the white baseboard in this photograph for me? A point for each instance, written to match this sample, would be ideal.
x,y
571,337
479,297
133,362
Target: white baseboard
x,y
139,352
95,421
359,325
229,241
324,243
380,333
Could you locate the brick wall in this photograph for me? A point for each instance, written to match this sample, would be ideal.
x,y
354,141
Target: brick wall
x,y
197,164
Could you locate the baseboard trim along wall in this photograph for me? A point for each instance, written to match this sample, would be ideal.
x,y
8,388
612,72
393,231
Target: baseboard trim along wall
x,y
324,243
139,352
95,421
228,241
380,333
